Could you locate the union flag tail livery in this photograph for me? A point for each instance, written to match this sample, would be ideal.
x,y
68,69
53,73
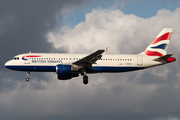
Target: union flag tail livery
x,y
67,66
160,44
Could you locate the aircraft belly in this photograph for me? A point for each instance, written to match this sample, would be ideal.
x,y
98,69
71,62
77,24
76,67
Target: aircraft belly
x,y
114,69
34,68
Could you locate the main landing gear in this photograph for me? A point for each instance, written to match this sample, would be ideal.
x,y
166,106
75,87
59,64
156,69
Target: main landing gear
x,y
85,78
27,79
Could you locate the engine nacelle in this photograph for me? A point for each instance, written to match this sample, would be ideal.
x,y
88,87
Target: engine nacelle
x,y
63,69
65,72
67,76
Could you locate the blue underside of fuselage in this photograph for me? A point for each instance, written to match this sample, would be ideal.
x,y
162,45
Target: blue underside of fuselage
x,y
95,69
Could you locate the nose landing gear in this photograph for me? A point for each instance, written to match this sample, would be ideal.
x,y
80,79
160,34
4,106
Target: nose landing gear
x,y
27,79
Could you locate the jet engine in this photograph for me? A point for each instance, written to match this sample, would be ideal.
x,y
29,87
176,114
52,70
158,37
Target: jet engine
x,y
65,72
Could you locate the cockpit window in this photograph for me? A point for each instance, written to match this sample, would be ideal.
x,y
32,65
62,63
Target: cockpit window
x,y
16,58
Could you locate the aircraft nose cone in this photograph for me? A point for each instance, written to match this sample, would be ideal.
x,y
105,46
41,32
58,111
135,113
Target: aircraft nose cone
x,y
6,64
10,65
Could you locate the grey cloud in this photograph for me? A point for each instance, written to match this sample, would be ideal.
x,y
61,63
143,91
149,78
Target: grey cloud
x,y
149,94
25,24
23,28
139,95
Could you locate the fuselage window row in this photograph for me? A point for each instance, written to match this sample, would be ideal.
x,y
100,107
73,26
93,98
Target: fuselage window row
x,y
104,59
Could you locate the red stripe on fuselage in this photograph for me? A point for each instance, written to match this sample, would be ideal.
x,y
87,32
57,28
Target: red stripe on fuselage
x,y
32,56
166,36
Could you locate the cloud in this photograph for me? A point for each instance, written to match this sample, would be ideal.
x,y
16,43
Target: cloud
x,y
151,93
23,28
114,29
146,94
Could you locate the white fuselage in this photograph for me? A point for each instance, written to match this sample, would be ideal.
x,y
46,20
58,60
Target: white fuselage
x,y
68,66
47,62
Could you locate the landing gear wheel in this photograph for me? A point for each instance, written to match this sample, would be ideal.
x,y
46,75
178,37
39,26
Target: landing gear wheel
x,y
85,79
27,79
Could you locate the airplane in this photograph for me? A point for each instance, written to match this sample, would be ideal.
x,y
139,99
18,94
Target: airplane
x,y
68,66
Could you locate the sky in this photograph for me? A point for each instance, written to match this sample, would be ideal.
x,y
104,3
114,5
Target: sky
x,y
84,26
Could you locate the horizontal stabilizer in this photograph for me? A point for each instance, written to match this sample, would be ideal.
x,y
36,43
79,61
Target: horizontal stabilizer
x,y
163,58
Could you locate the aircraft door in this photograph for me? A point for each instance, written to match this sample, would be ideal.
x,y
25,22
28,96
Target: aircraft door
x,y
27,61
27,58
140,60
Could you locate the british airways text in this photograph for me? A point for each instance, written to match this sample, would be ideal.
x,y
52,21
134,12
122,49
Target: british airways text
x,y
46,61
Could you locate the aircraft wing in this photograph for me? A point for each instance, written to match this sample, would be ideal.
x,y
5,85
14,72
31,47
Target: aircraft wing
x,y
90,59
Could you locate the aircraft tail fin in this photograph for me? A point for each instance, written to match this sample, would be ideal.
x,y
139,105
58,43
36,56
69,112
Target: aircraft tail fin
x,y
160,44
